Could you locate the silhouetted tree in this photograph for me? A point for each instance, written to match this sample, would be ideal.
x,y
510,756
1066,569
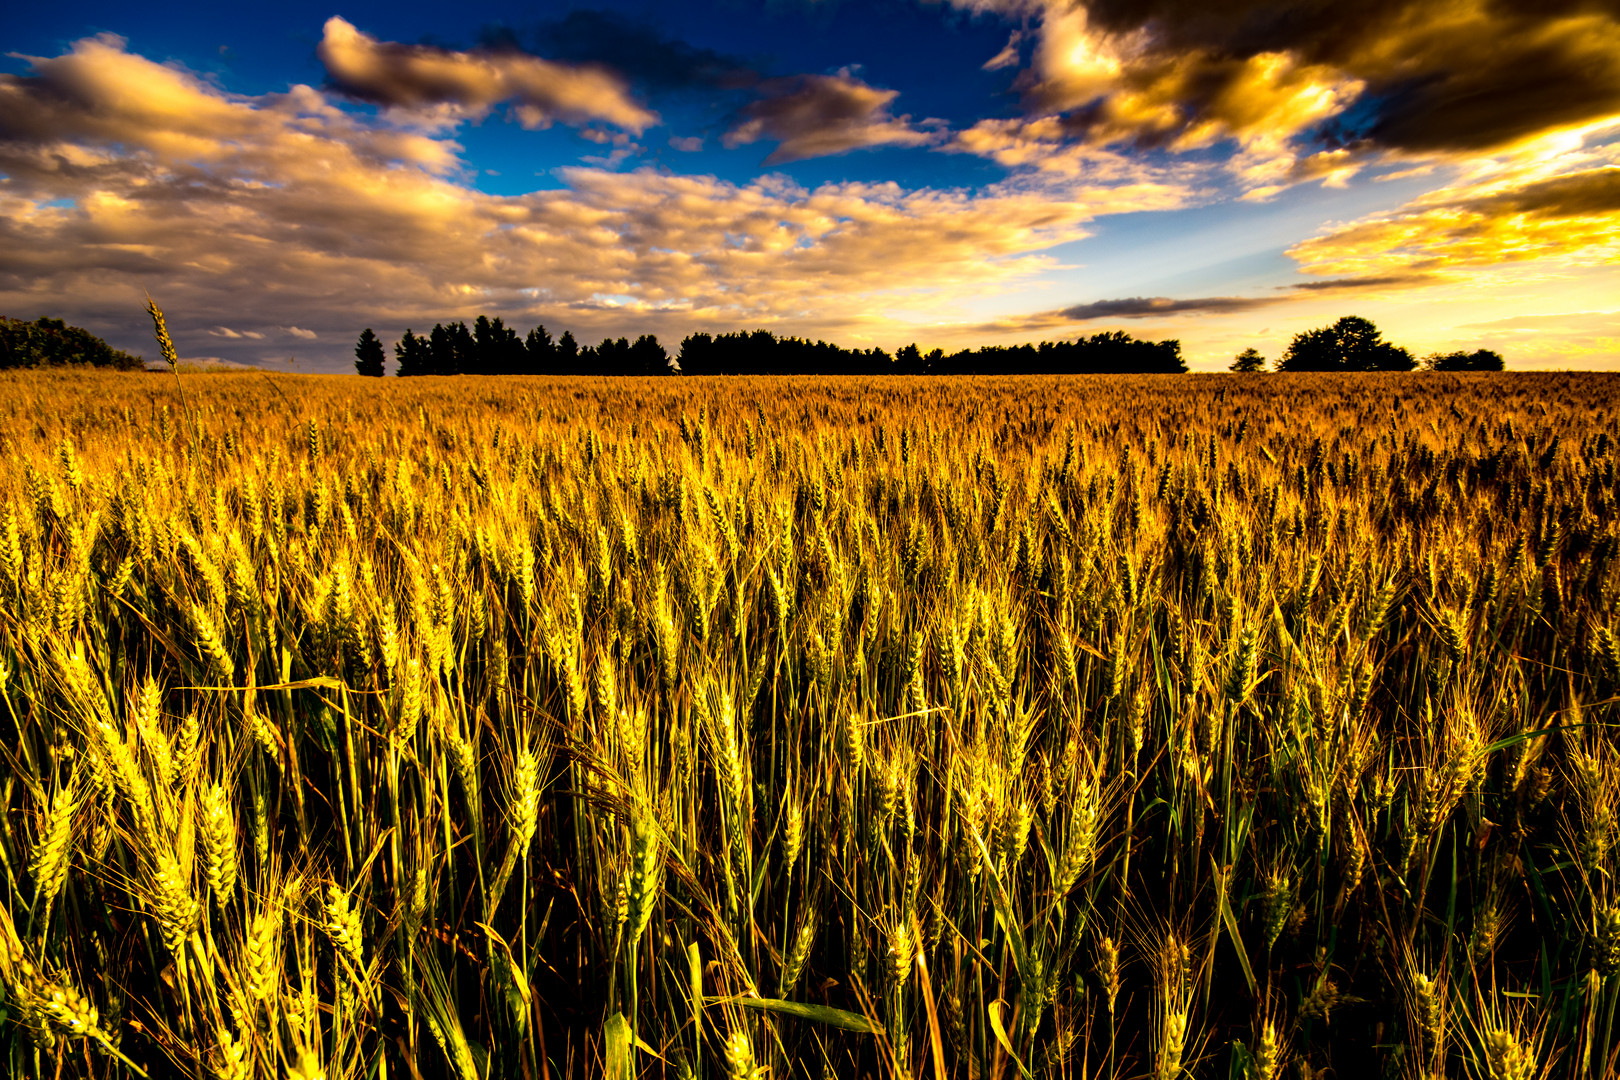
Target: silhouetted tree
x,y
611,357
542,354
1248,360
413,354
452,349
567,354
369,354
497,349
1478,360
1351,344
647,357
760,353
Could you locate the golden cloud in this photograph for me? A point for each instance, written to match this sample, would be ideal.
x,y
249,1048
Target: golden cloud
x,y
1560,222
420,77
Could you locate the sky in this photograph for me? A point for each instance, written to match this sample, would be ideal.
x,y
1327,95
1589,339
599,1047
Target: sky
x,y
952,173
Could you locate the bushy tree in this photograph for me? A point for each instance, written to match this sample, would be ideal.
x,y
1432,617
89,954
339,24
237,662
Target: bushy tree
x,y
51,342
1478,360
1351,344
1248,360
369,354
413,355
451,350
497,349
647,357
541,352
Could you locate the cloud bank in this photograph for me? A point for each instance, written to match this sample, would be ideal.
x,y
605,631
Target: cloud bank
x,y
125,174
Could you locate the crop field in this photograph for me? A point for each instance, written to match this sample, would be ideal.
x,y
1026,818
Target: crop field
x,y
1149,727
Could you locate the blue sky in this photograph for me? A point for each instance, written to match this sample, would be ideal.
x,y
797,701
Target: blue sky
x,y
954,173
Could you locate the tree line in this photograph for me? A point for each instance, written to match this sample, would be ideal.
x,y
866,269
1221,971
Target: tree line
x,y
490,347
1355,344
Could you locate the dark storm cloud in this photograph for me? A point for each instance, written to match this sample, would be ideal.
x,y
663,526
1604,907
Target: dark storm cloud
x,y
816,115
1456,77
639,52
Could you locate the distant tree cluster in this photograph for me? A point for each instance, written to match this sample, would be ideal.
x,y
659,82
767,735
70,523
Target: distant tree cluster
x,y
1478,360
490,347
53,343
762,353
1355,344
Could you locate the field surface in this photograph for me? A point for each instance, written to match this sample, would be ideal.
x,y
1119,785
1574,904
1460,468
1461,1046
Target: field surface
x,y
1204,726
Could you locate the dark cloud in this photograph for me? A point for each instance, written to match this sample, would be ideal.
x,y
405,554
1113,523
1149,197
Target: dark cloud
x,y
1369,281
1146,307
1595,191
638,51
816,115
1457,77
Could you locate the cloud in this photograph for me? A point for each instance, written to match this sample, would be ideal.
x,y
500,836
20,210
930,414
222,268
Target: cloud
x,y
1009,54
227,332
1288,81
423,78
1141,307
686,144
1557,222
1150,307
127,175
816,115
298,332
640,53
1353,284
1593,192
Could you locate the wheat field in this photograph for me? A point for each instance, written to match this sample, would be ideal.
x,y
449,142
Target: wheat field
x,y
1205,726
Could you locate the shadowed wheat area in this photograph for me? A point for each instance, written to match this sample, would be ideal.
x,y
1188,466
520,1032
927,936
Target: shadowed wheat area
x,y
1136,727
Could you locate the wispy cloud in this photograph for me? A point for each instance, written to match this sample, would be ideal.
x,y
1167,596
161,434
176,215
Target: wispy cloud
x,y
1141,307
1165,307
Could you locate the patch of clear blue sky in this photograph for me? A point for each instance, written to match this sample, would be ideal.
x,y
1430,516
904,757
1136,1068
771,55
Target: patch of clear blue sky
x,y
1221,248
